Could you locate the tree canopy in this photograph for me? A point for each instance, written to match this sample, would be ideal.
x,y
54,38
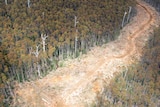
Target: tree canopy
x,y
36,34
138,86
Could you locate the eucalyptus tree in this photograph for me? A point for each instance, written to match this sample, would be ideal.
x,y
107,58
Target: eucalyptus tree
x,y
129,13
76,38
28,3
124,17
36,53
44,37
6,2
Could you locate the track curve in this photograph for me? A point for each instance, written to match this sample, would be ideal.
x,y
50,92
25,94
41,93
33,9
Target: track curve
x,y
131,38
65,88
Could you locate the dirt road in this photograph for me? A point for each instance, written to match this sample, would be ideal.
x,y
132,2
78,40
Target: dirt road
x,y
78,82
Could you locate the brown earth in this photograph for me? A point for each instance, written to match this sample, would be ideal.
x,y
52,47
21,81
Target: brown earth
x,y
77,83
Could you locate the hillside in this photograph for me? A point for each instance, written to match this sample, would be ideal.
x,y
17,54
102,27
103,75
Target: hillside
x,y
52,23
138,84
79,82
36,36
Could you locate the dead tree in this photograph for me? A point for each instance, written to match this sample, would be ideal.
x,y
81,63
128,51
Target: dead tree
x,y
36,53
28,3
44,37
6,2
123,21
129,13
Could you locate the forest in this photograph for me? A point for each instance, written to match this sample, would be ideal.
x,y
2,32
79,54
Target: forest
x,y
154,3
36,35
138,85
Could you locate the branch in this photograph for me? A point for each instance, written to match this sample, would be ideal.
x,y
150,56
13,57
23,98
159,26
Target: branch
x,y
36,53
44,37
75,21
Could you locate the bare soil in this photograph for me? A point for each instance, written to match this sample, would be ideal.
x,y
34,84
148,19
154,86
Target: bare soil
x,y
77,83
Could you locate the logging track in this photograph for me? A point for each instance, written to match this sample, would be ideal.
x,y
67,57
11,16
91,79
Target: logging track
x,y
44,89
101,61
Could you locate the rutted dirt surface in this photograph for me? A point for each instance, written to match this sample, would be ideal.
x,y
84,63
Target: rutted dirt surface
x,y
78,82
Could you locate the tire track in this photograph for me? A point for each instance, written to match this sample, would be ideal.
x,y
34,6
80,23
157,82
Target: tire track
x,y
65,88
90,75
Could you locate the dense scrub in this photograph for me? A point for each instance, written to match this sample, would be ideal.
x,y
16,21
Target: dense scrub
x,y
137,86
36,34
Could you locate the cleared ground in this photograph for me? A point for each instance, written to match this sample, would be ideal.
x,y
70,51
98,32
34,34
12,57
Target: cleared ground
x,y
78,82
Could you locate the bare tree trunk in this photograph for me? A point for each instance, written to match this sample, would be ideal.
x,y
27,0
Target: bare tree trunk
x,y
22,75
28,3
87,45
36,53
44,37
68,50
10,90
75,21
43,14
38,70
14,73
31,70
94,40
126,70
125,13
56,62
82,44
75,25
75,46
129,12
6,2
60,53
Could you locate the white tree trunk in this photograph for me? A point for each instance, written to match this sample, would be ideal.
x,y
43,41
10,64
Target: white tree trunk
x,y
75,21
6,2
44,37
68,50
129,12
28,3
38,70
82,44
76,39
75,25
36,53
125,13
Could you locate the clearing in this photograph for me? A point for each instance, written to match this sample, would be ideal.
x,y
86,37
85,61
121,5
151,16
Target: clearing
x,y
77,83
